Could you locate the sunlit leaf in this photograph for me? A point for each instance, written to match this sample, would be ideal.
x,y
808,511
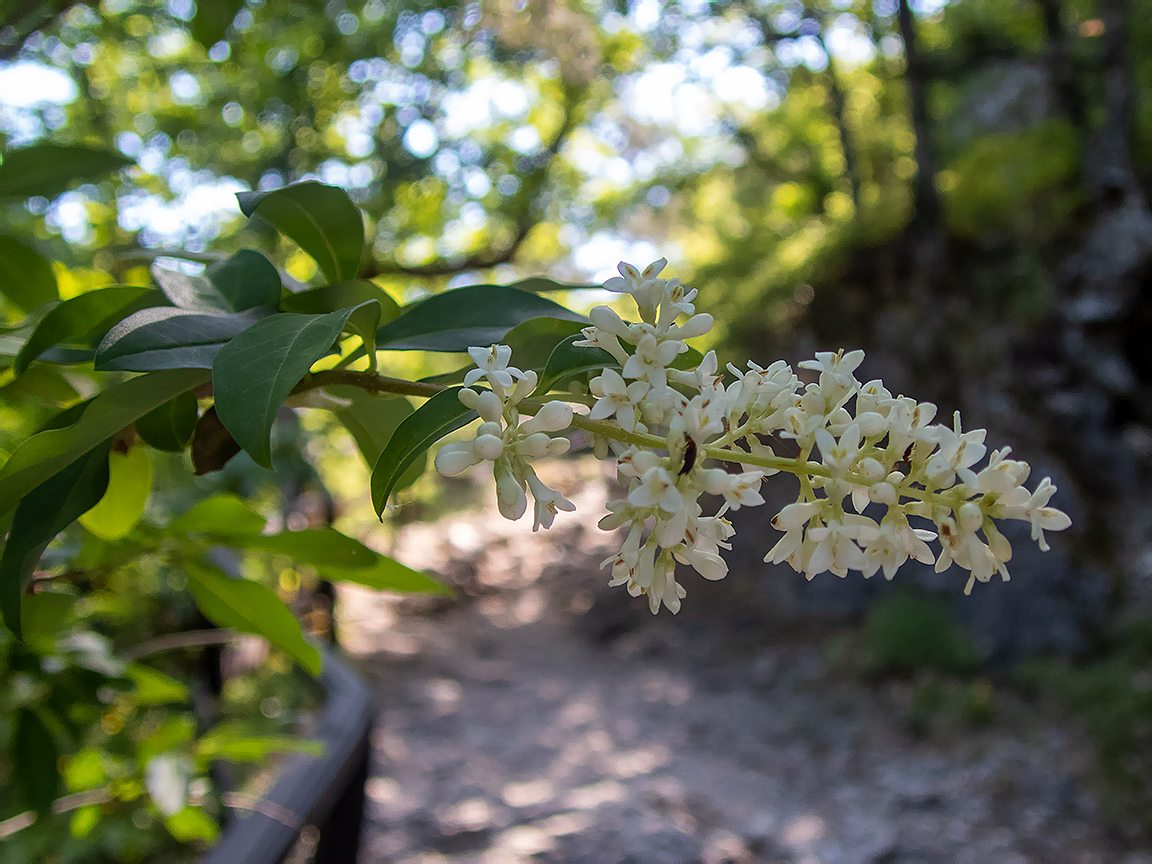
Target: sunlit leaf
x,y
155,688
250,607
322,220
49,169
477,315
129,485
255,372
316,547
235,743
441,414
192,825
223,514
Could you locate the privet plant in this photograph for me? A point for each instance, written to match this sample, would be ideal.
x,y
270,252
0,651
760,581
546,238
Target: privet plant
x,y
204,362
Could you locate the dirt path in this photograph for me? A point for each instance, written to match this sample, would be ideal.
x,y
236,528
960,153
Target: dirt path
x,y
542,718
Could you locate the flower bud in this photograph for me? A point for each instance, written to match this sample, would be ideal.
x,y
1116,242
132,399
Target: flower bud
x,y
553,417
533,446
795,515
489,406
510,496
468,397
488,447
558,446
455,458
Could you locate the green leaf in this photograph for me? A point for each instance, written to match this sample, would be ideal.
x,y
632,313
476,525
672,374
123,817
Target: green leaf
x,y
84,319
567,360
192,825
46,453
212,18
49,169
322,220
43,615
212,444
475,316
246,280
26,277
34,757
255,372
441,414
316,547
40,515
122,507
388,575
233,742
156,688
167,338
533,342
370,418
224,514
169,427
250,607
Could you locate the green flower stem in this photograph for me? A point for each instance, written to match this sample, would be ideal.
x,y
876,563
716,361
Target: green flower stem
x,y
802,468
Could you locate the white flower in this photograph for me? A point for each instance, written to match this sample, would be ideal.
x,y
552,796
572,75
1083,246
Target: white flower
x,y
840,455
548,501
644,287
492,363
657,488
616,397
1043,517
651,359
836,548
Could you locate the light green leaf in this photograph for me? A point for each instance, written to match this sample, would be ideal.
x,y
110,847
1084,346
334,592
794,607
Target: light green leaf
x,y
369,417
46,453
26,277
322,220
129,485
192,825
168,338
49,169
387,575
169,427
83,320
441,414
223,514
250,607
43,616
255,372
474,316
232,741
155,688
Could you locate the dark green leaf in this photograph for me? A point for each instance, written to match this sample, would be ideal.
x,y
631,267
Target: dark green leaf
x,y
441,414
221,514
212,444
255,372
191,291
246,280
34,757
537,284
322,220
43,513
167,338
85,319
49,169
46,453
170,426
26,277
533,342
251,608
388,575
212,18
475,316
567,360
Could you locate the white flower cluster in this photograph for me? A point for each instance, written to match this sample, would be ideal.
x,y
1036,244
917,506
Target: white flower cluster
x,y
880,452
503,440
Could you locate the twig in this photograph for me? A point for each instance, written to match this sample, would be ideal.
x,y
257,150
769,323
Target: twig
x,y
188,639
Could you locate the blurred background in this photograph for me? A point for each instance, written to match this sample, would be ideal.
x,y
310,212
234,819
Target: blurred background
x,y
959,188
